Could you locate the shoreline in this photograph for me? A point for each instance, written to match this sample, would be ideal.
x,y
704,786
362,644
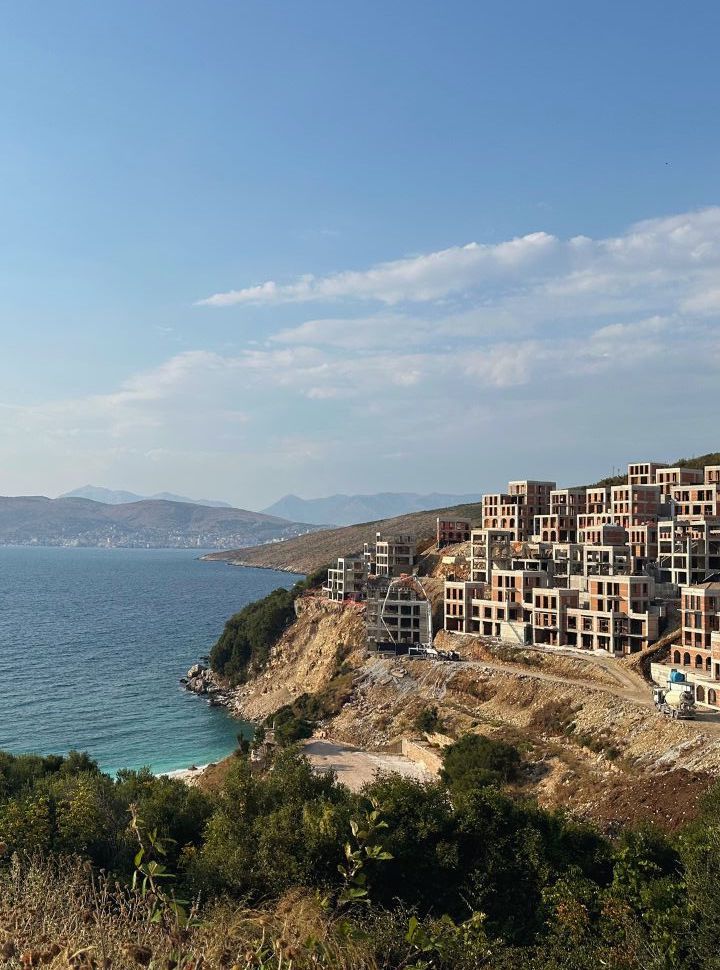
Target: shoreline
x,y
210,557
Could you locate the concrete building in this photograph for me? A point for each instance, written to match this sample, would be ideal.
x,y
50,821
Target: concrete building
x,y
458,604
615,615
696,502
397,613
391,555
346,580
636,504
700,618
490,546
688,552
712,474
505,608
452,531
668,478
644,472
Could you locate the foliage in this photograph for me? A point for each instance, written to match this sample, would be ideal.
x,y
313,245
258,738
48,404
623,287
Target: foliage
x,y
428,720
292,866
475,760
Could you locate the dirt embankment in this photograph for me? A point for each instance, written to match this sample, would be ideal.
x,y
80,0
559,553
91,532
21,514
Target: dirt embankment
x,y
306,657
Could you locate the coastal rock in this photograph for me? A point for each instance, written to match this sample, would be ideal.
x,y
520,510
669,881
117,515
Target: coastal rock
x,y
197,670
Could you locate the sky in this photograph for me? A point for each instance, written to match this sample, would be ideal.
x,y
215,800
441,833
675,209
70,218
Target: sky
x,y
252,247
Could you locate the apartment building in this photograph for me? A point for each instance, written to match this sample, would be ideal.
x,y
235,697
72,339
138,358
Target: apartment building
x,y
696,502
391,555
606,560
643,542
489,547
458,604
644,472
504,610
500,510
635,504
517,508
397,614
700,618
615,614
688,552
346,580
668,478
549,615
712,474
451,531
597,499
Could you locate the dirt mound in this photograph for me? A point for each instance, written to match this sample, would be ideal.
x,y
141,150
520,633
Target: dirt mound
x,y
669,800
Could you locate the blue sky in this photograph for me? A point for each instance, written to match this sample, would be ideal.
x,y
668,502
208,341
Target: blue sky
x,y
161,161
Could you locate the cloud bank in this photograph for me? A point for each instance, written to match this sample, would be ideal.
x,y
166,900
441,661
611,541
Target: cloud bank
x,y
462,367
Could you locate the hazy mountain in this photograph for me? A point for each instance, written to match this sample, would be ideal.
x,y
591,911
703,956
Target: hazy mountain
x,y
36,520
353,509
109,496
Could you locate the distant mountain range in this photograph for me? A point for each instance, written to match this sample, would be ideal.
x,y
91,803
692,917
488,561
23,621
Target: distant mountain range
x,y
153,523
109,496
354,509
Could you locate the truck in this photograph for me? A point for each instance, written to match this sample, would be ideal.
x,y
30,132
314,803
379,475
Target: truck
x,y
677,699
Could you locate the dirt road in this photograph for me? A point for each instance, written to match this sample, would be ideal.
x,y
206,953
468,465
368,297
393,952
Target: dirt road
x,y
355,767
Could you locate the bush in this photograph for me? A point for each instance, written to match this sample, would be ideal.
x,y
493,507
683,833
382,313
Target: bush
x,y
428,720
475,761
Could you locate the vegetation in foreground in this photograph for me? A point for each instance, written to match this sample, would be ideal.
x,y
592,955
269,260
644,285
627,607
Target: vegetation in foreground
x,y
284,868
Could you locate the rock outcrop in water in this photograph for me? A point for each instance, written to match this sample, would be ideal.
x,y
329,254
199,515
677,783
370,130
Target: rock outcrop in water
x,y
200,680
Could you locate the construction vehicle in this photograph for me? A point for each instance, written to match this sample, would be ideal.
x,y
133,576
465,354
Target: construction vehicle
x,y
677,699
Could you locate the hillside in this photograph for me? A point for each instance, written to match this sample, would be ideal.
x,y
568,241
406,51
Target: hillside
x,y
36,520
353,509
309,552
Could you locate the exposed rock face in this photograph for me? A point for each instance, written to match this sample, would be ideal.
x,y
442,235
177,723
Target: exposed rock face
x,y
305,658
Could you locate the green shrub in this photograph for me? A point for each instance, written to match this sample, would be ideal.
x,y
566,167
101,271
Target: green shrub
x,y
475,761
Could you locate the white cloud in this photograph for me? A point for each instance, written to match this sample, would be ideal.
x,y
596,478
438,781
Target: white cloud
x,y
417,278
649,253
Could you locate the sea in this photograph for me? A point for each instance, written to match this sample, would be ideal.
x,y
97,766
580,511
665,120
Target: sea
x,y
93,643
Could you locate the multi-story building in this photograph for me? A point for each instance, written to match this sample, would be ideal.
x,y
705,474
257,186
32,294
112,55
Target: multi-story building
x,y
504,609
696,502
346,580
700,617
712,474
490,547
644,472
391,555
636,504
452,531
688,552
398,614
597,499
615,614
668,478
698,652
458,604
549,615
504,511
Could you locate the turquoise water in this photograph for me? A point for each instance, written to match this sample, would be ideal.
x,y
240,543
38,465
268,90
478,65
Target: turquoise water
x,y
94,641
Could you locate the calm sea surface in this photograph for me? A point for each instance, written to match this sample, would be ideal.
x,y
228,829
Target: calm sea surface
x,y
93,642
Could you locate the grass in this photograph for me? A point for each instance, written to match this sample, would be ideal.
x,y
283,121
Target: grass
x,y
59,914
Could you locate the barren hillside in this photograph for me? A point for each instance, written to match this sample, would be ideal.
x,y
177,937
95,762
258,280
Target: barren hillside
x,y
306,553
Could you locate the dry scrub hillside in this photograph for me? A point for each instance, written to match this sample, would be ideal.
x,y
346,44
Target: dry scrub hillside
x,y
307,553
